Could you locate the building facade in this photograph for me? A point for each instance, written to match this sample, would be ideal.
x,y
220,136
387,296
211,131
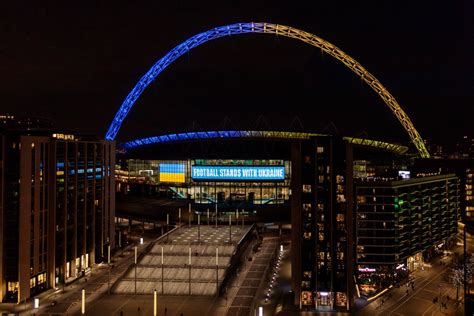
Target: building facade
x,y
322,224
175,179
400,224
56,209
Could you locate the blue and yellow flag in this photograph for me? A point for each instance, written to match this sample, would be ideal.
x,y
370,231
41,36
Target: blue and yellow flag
x,y
171,172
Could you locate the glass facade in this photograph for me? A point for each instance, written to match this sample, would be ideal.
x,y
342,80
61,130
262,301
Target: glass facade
x,y
174,177
399,224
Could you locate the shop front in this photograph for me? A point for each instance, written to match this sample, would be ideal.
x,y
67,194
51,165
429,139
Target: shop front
x,y
415,262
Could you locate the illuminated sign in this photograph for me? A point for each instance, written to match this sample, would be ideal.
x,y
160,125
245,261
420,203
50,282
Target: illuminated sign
x,y
64,136
255,173
404,174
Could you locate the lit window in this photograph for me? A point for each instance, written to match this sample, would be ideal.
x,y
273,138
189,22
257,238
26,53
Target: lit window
x,y
32,282
320,150
306,188
12,287
340,217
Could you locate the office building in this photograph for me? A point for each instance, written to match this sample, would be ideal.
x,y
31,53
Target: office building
x,y
56,208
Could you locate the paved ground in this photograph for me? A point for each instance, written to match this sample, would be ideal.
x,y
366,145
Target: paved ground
x,y
255,275
203,242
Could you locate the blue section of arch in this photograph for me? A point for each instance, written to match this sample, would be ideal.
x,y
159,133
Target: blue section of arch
x,y
175,53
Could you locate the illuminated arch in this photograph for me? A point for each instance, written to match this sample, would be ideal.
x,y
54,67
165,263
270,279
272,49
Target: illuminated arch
x,y
267,28
203,135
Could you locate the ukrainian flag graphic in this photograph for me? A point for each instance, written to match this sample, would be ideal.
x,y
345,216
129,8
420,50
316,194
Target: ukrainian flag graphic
x,y
172,172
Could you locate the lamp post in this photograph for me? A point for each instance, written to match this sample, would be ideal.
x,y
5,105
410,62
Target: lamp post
x,y
179,216
217,271
207,216
216,214
167,225
189,271
108,253
136,255
83,305
108,282
155,303
162,275
199,227
189,213
237,219
230,228
465,266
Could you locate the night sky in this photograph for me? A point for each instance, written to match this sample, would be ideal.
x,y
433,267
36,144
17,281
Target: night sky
x,y
76,63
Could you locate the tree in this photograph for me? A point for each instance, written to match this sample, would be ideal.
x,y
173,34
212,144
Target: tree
x,y
457,274
457,279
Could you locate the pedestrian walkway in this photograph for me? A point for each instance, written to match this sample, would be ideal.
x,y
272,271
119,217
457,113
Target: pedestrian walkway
x,y
256,273
67,299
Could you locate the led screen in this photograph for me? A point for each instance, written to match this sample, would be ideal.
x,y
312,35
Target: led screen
x,y
230,173
172,172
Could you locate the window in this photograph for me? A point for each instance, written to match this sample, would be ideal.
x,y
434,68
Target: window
x,y
12,287
321,236
32,282
320,150
41,278
341,198
340,217
320,178
306,188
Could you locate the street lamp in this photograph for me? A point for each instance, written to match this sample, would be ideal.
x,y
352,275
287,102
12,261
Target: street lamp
x,y
162,276
217,271
230,228
136,255
189,271
167,225
189,211
199,227
83,307
216,214
155,303
108,253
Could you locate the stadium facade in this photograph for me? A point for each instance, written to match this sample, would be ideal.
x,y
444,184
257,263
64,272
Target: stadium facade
x,y
320,180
